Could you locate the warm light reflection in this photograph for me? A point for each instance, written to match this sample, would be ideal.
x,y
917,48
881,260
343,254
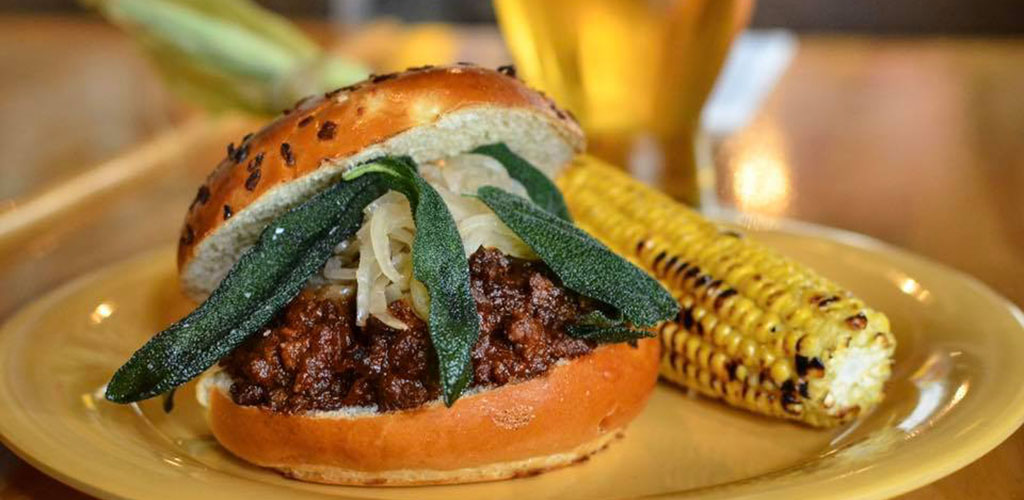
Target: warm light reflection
x,y
174,461
959,394
930,397
760,171
934,399
912,287
102,312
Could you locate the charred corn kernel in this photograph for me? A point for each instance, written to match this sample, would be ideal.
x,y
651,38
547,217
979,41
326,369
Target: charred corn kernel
x,y
755,328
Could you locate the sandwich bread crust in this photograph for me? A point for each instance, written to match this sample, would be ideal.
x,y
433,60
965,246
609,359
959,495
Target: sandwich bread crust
x,y
427,113
520,429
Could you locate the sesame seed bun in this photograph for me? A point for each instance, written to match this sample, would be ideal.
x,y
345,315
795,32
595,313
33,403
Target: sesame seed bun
x,y
516,430
427,113
559,418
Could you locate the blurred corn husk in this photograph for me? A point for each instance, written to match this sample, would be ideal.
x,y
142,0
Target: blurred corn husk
x,y
230,54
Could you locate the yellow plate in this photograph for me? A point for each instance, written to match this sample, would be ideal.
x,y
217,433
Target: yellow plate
x,y
957,391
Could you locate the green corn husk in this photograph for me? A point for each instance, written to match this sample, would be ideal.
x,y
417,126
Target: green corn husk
x,y
229,54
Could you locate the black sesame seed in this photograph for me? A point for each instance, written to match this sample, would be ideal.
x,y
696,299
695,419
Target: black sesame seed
x,y
557,111
255,163
305,121
508,70
421,68
303,100
287,154
187,235
241,153
381,78
202,196
693,271
734,234
246,138
327,131
464,63
231,150
227,212
702,280
252,180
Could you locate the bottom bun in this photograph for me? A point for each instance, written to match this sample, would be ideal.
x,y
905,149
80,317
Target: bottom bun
x,y
492,472
516,430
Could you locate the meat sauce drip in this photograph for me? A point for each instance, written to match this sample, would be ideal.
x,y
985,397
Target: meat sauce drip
x,y
313,356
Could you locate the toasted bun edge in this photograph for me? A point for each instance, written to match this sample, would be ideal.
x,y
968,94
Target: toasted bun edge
x,y
427,114
518,429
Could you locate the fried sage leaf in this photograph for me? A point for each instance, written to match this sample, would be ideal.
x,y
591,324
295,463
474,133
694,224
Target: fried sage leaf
x,y
265,278
584,265
542,191
439,262
602,329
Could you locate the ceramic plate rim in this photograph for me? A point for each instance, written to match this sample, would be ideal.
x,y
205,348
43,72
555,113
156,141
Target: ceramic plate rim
x,y
926,471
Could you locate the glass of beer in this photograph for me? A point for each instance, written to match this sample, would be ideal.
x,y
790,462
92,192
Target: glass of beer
x,y
635,73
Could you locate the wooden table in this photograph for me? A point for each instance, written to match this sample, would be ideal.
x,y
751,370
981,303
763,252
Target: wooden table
x,y
918,142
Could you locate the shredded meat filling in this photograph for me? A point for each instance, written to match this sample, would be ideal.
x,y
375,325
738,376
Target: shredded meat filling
x,y
313,356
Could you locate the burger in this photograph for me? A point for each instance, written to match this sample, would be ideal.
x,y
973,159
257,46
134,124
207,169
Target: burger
x,y
392,292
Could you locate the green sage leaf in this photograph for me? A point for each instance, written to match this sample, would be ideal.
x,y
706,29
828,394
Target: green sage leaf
x,y
265,278
439,262
169,400
538,186
608,335
584,264
602,329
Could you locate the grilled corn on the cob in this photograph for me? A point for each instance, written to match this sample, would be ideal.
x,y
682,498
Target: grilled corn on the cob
x,y
756,329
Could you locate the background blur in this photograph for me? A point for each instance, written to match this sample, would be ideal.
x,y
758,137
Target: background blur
x,y
873,16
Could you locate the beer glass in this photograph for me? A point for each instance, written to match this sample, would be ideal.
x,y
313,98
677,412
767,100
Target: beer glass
x,y
635,73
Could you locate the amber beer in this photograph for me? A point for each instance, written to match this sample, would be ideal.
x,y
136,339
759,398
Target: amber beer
x,y
635,73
